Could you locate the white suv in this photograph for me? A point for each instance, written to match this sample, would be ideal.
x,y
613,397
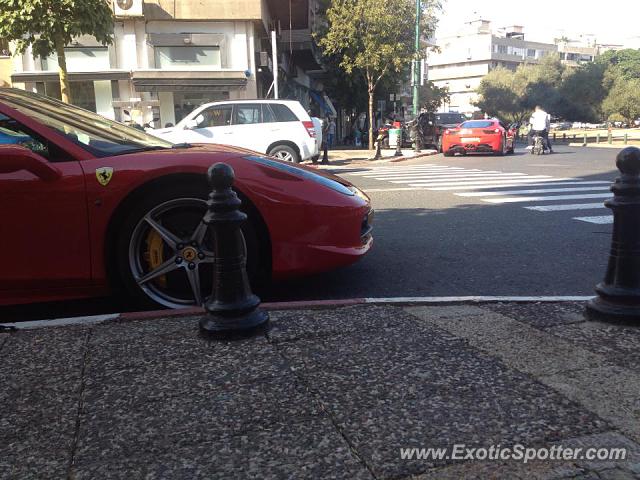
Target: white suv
x,y
281,128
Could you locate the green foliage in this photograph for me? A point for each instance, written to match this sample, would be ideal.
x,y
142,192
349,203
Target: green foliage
x,y
41,23
432,96
585,93
374,40
623,99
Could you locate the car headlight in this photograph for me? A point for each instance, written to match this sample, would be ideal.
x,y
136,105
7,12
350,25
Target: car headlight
x,y
301,173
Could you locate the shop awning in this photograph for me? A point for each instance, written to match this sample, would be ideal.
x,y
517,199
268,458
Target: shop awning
x,y
323,101
184,81
22,77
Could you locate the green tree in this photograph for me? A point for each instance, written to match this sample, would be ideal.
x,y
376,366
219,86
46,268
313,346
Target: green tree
x,y
432,96
49,25
623,99
374,38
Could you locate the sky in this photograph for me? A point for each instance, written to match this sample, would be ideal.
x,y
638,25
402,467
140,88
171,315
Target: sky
x,y
612,22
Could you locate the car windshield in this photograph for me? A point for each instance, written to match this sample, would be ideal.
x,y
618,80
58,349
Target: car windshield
x,y
477,124
450,118
99,135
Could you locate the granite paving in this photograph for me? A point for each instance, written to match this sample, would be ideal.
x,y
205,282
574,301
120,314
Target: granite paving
x,y
328,393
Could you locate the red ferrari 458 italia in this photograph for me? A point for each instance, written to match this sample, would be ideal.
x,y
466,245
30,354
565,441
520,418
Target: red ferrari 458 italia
x,y
89,206
482,136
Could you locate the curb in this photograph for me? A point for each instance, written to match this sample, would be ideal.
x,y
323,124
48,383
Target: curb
x,y
296,305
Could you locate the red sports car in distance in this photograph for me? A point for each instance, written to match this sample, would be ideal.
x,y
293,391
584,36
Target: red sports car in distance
x,y
482,136
89,206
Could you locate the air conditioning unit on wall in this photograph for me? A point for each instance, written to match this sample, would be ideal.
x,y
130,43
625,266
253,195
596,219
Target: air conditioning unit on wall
x,y
127,8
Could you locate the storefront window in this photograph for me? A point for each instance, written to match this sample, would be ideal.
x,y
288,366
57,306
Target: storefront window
x,y
80,60
186,102
83,93
187,56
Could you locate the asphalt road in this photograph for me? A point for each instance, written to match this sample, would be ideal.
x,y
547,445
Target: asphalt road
x,y
435,242
460,239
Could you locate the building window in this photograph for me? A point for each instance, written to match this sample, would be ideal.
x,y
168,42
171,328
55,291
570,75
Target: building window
x,y
83,93
80,60
531,52
502,49
187,56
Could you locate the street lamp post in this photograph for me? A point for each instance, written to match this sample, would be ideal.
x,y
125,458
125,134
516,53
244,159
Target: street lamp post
x,y
416,74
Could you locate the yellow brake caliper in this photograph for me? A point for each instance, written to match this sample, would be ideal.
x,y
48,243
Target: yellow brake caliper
x,y
154,255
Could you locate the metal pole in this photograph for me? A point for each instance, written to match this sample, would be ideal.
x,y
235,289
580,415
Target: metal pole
x,y
417,72
274,50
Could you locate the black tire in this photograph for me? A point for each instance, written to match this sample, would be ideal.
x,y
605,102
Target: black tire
x,y
133,224
448,154
285,152
500,152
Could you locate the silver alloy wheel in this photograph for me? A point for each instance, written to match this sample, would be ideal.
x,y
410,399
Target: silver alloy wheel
x,y
283,155
183,273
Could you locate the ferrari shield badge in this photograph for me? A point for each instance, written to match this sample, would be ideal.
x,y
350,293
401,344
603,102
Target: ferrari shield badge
x,y
104,175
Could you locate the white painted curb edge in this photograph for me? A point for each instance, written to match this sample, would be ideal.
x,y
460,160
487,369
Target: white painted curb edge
x,y
477,299
96,319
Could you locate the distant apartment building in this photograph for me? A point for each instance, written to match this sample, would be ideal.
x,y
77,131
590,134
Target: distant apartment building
x,y
465,58
169,56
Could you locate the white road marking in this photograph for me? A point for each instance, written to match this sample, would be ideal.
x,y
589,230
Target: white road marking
x,y
539,190
378,171
602,220
399,189
59,322
487,183
560,208
470,176
418,172
512,184
478,299
547,198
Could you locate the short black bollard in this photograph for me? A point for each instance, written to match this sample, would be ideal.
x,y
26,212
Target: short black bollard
x,y
619,294
398,152
232,309
325,152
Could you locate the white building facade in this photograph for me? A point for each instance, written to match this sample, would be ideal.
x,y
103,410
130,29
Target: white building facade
x,y
464,59
167,57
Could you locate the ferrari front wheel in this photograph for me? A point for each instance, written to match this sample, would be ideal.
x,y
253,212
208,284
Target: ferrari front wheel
x,y
165,250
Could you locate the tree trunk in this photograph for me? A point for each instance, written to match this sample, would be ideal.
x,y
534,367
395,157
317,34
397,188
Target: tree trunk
x,y
371,120
62,71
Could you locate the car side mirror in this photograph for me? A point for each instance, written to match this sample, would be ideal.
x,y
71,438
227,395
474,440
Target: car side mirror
x,y
14,158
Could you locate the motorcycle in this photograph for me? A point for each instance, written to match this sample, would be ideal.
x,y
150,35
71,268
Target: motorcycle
x,y
539,147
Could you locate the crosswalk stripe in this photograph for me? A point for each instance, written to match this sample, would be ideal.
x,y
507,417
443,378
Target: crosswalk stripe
x,y
449,175
511,184
545,198
398,169
476,179
417,172
485,183
397,189
560,208
540,190
602,220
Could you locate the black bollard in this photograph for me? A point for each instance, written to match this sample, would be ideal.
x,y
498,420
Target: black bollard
x,y
618,297
232,309
325,152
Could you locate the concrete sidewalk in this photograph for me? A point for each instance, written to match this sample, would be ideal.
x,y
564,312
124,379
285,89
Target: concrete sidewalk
x,y
350,156
327,393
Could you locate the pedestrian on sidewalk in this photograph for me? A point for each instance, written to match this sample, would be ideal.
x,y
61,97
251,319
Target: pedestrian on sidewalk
x,y
331,131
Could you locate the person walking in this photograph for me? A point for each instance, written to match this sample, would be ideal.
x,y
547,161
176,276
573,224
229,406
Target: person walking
x,y
540,124
331,132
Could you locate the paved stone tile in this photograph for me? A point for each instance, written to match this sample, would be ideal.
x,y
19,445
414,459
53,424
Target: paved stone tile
x,y
609,391
519,345
43,352
541,314
617,343
308,450
387,389
114,426
39,392
311,324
